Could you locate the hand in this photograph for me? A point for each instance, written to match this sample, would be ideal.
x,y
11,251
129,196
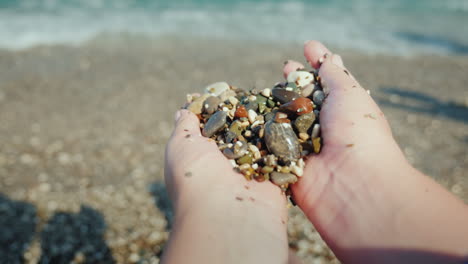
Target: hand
x,y
360,193
220,217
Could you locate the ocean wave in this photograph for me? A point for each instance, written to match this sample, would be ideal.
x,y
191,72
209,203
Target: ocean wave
x,y
367,25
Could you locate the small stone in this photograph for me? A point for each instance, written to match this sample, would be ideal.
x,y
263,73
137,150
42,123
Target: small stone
x,y
255,152
308,90
269,116
284,169
271,103
267,169
301,78
317,145
245,159
244,167
235,152
233,100
230,136
280,178
318,97
283,96
133,258
281,140
236,128
266,92
224,96
241,112
304,136
251,106
299,106
196,106
261,100
261,133
215,123
315,131
298,171
304,122
271,160
211,104
216,89
252,115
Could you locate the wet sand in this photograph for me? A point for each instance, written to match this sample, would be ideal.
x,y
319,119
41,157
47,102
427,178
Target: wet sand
x,y
83,129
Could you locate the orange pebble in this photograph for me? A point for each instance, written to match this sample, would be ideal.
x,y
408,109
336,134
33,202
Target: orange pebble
x,y
241,112
299,106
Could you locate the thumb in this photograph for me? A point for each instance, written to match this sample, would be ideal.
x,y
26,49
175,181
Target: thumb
x,y
186,122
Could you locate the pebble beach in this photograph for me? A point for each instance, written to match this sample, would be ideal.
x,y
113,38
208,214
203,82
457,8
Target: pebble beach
x,y
83,130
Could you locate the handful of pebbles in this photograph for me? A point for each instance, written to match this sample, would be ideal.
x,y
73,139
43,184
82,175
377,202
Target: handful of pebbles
x,y
264,133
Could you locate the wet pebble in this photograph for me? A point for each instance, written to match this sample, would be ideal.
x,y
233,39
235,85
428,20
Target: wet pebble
x,y
315,131
284,96
238,150
308,90
215,123
241,112
211,104
281,140
282,179
301,78
318,97
216,89
304,122
299,106
196,106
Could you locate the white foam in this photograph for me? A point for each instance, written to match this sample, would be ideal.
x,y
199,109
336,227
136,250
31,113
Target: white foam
x,y
347,25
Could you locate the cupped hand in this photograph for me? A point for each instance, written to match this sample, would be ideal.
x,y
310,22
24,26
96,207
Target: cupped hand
x,y
238,221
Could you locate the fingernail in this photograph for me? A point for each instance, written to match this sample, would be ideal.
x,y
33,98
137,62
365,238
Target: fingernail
x,y
336,59
177,116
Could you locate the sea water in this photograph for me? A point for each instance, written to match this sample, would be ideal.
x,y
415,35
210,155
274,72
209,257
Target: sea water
x,y
376,26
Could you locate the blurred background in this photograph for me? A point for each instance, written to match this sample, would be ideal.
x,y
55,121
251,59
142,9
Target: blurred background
x,y
88,90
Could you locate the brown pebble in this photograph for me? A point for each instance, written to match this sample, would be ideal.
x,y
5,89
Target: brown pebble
x,y
241,112
188,174
239,198
187,136
349,145
299,106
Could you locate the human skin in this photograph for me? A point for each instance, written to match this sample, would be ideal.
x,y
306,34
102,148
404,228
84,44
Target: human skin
x,y
360,193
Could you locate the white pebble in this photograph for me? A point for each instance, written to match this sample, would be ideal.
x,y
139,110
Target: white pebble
x,y
301,78
252,116
289,89
252,98
233,163
255,151
234,101
255,166
296,170
134,258
315,131
266,92
244,166
301,163
225,109
217,89
255,124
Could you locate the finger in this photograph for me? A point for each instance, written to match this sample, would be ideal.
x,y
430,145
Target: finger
x,y
314,51
347,104
291,66
186,123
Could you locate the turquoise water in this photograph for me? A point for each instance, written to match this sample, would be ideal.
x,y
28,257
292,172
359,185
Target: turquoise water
x,y
393,26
